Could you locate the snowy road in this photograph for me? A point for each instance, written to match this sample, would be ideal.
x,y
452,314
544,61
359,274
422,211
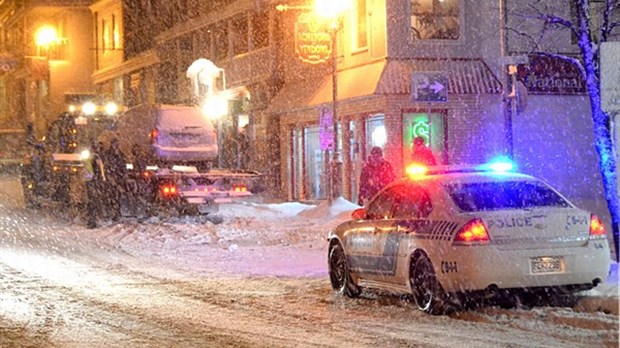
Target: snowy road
x,y
258,282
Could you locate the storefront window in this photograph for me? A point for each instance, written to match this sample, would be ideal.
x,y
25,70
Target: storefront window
x,y
375,132
435,19
315,164
428,125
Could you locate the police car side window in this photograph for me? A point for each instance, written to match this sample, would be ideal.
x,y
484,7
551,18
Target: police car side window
x,y
415,203
381,207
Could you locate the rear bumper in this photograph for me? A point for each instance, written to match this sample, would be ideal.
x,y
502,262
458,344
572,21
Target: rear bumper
x,y
184,154
484,267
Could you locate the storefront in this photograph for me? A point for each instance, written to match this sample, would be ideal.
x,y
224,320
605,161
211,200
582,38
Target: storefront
x,y
376,107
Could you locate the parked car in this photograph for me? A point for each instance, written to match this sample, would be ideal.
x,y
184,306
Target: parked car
x,y
449,235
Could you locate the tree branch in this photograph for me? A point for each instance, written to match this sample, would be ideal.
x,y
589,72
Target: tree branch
x,y
607,27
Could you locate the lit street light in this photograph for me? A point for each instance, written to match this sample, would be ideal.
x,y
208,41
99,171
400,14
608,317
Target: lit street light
x,y
333,11
46,36
330,13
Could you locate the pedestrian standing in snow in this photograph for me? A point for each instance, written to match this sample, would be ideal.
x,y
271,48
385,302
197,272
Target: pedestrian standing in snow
x,y
116,166
376,173
421,154
94,178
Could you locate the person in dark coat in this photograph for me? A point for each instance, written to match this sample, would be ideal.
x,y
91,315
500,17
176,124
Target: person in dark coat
x,y
116,166
94,178
421,153
376,173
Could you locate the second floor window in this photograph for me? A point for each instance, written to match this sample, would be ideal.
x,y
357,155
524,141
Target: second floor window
x,y
260,29
435,19
361,24
240,31
220,37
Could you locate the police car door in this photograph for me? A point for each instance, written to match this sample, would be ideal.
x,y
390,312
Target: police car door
x,y
411,222
367,241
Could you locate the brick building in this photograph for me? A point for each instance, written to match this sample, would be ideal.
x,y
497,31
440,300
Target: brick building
x,y
402,68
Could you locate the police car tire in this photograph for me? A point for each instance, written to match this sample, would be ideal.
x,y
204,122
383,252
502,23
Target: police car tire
x,y
427,292
339,272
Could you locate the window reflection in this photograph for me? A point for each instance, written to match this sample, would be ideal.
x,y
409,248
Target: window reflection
x,y
435,19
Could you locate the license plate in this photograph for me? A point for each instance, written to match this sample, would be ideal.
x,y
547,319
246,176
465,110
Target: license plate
x,y
547,264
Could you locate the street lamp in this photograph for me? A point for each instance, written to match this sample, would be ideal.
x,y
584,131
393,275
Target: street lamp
x,y
329,13
333,12
46,36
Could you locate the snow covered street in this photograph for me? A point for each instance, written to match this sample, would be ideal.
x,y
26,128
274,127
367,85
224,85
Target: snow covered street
x,y
257,279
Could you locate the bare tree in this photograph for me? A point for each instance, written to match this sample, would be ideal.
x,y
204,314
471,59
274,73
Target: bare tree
x,y
589,23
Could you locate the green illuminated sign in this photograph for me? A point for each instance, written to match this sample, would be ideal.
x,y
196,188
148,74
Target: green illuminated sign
x,y
421,128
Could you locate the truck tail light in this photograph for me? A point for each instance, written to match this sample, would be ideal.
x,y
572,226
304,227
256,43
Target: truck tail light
x,y
154,135
597,228
474,232
169,190
240,188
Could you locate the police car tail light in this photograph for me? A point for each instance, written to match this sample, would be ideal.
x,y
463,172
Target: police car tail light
x,y
597,228
474,232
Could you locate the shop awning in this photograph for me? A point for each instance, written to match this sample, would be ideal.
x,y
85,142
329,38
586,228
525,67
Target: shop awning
x,y
352,83
465,76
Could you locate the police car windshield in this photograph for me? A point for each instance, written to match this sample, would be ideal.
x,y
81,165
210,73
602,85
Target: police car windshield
x,y
470,197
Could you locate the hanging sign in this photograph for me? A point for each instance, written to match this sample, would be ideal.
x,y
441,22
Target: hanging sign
x,y
313,41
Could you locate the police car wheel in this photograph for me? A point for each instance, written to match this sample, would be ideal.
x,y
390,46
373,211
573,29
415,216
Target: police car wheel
x,y
339,272
427,292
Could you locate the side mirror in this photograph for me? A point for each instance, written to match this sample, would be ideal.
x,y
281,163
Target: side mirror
x,y
359,214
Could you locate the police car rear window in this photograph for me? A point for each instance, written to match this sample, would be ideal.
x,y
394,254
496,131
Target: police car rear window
x,y
471,197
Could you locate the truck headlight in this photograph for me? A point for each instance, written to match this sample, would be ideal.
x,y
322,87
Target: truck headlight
x,y
85,154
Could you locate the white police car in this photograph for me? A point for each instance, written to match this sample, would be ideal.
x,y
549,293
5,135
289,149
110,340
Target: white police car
x,y
453,234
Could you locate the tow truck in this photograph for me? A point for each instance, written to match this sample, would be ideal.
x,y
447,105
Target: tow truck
x,y
53,172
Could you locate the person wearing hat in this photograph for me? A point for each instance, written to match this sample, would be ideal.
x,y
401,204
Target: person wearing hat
x,y
421,154
376,173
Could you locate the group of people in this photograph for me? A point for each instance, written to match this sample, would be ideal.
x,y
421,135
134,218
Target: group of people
x,y
377,172
104,176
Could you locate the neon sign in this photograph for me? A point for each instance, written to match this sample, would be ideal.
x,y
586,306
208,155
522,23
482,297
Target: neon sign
x,y
421,128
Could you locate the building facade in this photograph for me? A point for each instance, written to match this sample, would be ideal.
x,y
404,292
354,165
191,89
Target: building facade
x,y
379,74
49,56
145,49
400,74
390,53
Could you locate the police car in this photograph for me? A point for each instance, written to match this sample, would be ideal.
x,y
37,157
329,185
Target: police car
x,y
447,235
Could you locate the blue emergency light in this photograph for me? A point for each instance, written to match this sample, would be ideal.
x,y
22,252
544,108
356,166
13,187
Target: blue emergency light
x,y
500,164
